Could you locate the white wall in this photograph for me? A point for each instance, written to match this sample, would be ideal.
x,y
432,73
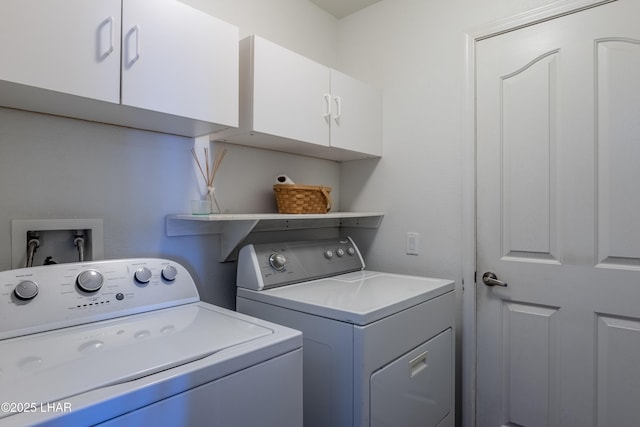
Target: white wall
x,y
415,51
298,25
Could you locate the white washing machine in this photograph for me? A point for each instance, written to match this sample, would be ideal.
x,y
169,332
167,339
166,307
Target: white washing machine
x,y
378,348
128,343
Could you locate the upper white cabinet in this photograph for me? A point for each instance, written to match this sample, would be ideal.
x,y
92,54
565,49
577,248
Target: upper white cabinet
x,y
70,46
179,61
151,64
356,115
282,94
293,104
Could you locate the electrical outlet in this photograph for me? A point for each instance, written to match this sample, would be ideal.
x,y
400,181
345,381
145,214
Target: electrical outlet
x,y
46,241
413,243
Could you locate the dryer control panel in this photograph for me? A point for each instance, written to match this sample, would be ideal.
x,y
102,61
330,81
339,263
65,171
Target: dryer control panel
x,y
38,299
269,265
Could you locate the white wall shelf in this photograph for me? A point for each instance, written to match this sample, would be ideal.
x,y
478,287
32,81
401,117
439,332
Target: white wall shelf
x,y
234,228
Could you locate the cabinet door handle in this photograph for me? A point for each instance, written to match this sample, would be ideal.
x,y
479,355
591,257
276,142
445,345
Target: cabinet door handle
x,y
338,108
135,29
101,29
327,100
111,36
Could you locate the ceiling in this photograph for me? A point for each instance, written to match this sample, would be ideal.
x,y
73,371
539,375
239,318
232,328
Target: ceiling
x,y
342,8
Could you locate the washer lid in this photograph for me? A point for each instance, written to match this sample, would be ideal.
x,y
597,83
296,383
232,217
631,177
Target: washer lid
x,y
55,365
360,297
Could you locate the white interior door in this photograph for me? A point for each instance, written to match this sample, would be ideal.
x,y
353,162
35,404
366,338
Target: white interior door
x,y
558,155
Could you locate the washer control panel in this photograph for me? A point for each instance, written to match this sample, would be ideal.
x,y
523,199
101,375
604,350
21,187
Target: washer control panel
x,y
42,298
276,264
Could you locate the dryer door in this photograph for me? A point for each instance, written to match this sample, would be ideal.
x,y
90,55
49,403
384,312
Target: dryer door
x,y
417,388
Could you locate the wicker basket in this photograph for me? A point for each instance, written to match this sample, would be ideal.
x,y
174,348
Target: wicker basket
x,y
302,199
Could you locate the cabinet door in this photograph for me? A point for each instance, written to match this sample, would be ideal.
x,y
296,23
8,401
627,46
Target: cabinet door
x,y
356,119
179,61
290,94
70,46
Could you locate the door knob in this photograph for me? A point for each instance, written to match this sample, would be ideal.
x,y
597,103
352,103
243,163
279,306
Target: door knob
x,y
491,279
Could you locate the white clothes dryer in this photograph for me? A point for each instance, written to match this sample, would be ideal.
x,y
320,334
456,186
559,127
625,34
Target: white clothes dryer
x,y
129,343
378,347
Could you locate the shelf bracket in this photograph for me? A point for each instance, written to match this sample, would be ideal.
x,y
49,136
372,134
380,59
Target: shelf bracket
x,y
234,232
231,232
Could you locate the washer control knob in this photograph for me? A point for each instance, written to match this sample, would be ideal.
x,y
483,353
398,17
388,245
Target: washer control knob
x,y
90,280
277,261
328,254
26,290
340,252
142,275
351,251
169,273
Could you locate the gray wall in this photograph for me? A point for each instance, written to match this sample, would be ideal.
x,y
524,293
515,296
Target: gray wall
x,y
53,167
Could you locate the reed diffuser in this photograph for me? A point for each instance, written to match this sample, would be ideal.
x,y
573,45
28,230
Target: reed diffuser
x,y
209,172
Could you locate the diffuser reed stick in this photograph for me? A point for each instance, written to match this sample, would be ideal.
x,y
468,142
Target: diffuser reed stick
x,y
210,171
